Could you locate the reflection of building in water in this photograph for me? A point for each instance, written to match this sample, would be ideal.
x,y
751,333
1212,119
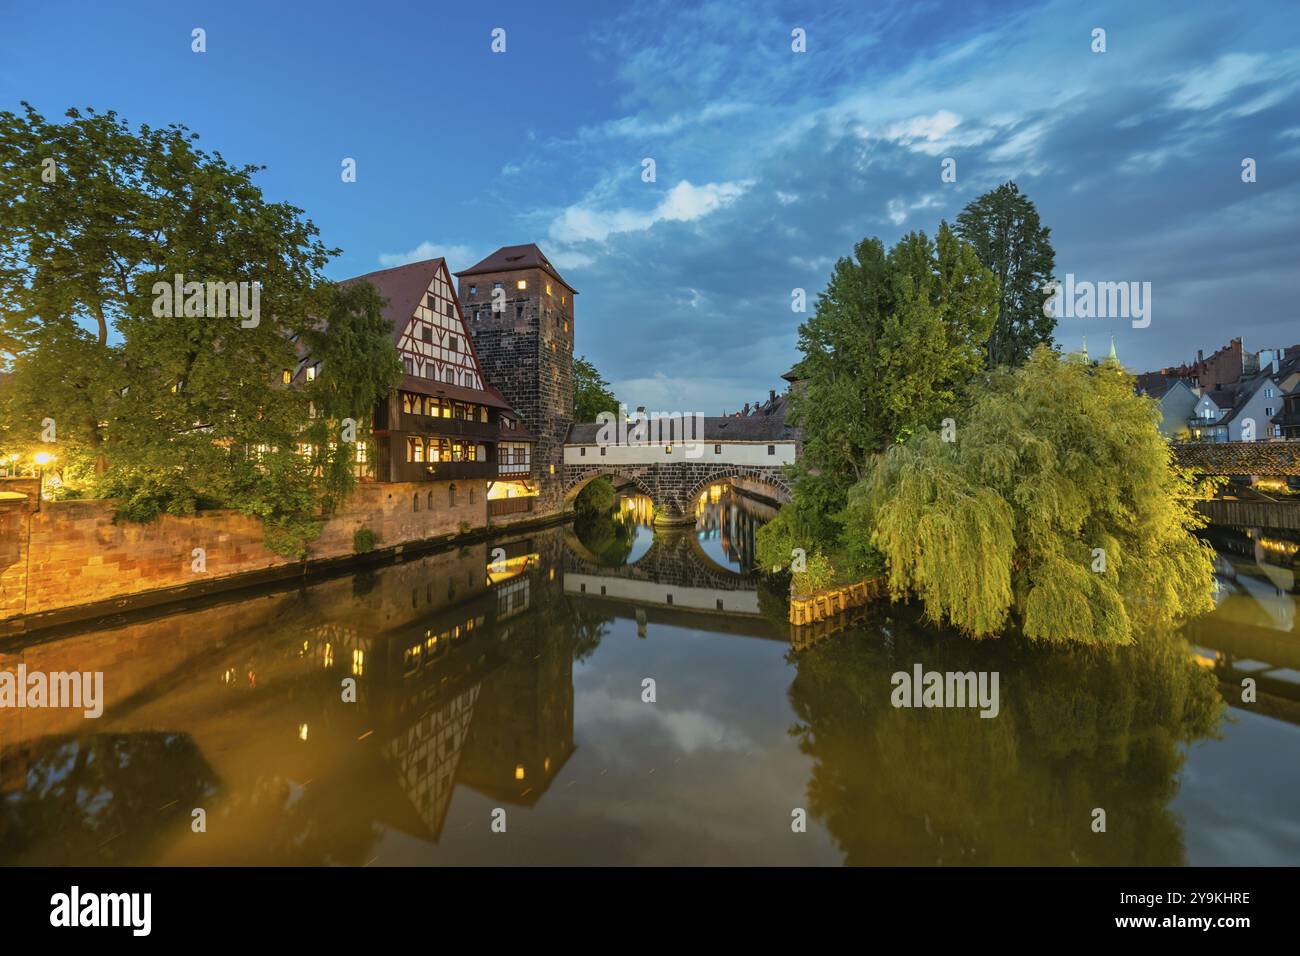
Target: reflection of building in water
x,y
427,754
637,509
730,519
522,733
459,661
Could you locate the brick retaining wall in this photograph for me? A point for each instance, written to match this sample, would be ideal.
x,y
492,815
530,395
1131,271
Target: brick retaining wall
x,y
71,552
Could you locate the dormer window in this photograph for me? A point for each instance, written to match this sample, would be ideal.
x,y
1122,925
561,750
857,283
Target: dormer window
x,y
311,373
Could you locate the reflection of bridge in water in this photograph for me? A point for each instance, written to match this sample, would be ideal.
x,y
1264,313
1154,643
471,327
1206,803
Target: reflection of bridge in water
x,y
1255,633
675,572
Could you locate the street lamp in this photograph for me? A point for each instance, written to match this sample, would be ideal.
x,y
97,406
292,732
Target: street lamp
x,y
42,459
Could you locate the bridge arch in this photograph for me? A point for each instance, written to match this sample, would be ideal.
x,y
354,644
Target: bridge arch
x,y
740,476
574,487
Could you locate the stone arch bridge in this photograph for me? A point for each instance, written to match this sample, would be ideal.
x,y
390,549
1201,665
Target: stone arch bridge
x,y
681,459
675,486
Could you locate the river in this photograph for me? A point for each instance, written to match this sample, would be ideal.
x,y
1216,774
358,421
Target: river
x,y
598,693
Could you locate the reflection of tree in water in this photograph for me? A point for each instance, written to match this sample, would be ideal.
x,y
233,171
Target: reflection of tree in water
x,y
1078,729
607,537
295,825
101,798
588,630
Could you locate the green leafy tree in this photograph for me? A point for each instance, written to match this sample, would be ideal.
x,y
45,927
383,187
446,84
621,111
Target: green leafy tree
x,y
1013,244
1057,503
178,404
591,393
896,341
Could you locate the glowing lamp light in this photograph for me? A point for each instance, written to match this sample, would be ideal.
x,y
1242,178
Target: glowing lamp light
x,y
43,458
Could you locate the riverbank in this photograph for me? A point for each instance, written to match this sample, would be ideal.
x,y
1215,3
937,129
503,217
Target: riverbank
x,y
71,563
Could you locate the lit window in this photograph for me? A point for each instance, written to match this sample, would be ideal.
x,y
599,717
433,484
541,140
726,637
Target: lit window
x,y
548,288
521,284
358,662
311,373
668,449
286,376
361,453
519,771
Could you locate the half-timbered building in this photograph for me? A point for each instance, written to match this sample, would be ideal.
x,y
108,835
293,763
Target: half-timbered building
x,y
444,421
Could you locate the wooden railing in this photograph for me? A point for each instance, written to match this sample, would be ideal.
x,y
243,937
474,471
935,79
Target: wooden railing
x,y
509,506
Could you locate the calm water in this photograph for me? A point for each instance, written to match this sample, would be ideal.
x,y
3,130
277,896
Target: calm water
x,y
513,681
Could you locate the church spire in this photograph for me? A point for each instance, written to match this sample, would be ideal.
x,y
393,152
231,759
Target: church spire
x,y
1113,357
1085,348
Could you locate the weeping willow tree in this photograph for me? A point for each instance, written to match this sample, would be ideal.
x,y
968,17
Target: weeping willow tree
x,y
1057,504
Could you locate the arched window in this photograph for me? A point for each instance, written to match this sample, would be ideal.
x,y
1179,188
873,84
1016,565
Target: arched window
x,y
430,500
471,494
415,501
451,495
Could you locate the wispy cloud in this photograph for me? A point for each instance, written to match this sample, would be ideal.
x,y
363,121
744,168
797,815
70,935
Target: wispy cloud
x,y
457,255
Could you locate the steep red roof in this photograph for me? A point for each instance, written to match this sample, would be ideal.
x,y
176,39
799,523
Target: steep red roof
x,y
515,258
403,287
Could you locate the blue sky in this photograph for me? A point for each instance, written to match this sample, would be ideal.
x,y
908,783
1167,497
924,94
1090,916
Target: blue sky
x,y
769,164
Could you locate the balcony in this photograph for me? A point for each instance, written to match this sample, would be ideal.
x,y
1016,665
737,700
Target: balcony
x,y
448,427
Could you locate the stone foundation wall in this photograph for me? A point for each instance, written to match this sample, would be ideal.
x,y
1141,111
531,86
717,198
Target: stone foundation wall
x,y
72,553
